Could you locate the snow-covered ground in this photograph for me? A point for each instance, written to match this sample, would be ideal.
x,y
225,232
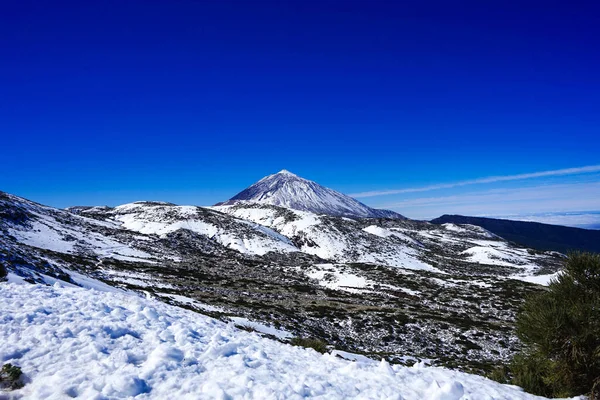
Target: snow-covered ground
x,y
262,328
544,280
81,343
491,256
335,277
46,232
329,275
160,219
384,233
325,240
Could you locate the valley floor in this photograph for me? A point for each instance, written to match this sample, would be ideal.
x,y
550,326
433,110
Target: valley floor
x,y
81,343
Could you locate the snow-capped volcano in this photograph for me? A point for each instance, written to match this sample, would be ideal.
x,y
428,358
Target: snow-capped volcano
x,y
289,190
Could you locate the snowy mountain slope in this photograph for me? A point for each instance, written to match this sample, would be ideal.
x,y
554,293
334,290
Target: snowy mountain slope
x,y
32,224
80,343
160,219
289,190
395,243
330,238
37,241
399,287
120,232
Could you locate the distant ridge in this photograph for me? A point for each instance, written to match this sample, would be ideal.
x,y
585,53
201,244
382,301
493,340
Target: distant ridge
x,y
289,190
533,234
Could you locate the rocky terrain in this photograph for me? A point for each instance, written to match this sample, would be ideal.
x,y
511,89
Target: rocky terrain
x,y
389,288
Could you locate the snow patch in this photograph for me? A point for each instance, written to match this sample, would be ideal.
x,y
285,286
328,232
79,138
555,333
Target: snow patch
x,y
543,280
262,328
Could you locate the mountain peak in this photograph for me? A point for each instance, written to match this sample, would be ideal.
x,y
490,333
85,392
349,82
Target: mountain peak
x,y
284,175
286,189
286,172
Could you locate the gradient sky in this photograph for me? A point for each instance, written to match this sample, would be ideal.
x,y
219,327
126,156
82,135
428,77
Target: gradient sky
x,y
191,101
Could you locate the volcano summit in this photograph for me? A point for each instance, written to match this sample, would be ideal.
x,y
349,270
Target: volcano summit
x,y
286,189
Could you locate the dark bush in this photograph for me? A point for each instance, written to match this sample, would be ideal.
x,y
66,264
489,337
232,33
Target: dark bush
x,y
561,331
246,328
500,374
10,377
315,344
3,272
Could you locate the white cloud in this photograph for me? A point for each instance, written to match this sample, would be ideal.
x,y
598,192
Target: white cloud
x,y
589,220
514,201
490,179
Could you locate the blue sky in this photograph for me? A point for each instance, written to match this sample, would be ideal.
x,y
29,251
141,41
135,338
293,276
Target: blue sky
x,y
191,101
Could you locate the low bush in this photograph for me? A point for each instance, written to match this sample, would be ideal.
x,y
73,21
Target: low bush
x,y
10,377
315,344
500,374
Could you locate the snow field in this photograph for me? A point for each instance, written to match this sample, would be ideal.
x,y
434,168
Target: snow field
x,y
334,277
164,219
82,343
492,256
48,233
330,243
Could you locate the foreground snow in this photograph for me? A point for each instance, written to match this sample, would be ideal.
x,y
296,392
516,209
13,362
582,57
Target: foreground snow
x,y
73,342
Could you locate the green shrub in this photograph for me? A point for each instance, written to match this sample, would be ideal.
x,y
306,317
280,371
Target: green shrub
x,y
315,344
10,377
531,372
500,374
561,331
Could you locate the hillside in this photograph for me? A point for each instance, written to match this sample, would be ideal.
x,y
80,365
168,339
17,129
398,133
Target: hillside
x,y
533,234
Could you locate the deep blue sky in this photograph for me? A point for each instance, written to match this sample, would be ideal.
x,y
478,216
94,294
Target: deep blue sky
x,y
190,101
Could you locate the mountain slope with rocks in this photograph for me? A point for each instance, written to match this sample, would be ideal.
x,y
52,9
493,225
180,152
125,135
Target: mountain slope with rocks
x,y
288,190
